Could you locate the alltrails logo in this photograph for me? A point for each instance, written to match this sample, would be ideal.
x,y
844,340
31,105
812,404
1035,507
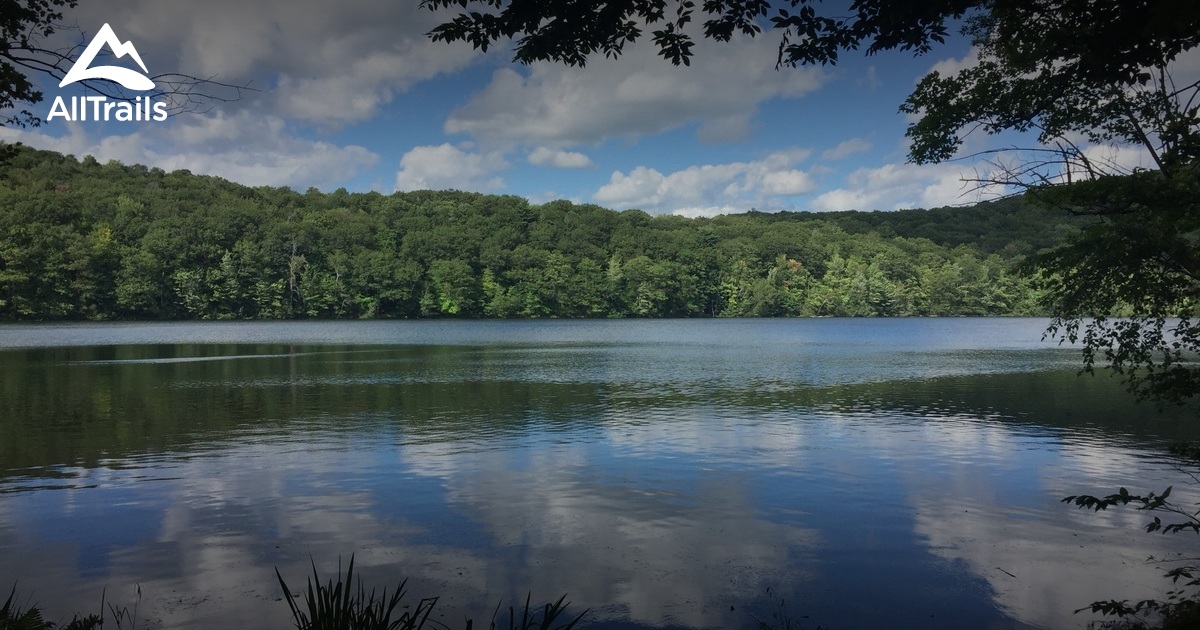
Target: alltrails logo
x,y
101,107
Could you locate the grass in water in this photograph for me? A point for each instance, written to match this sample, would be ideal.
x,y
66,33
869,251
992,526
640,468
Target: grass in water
x,y
337,606
13,618
531,621
345,605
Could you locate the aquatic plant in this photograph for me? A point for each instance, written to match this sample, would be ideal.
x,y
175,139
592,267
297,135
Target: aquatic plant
x,y
13,618
339,606
531,621
344,605
1180,607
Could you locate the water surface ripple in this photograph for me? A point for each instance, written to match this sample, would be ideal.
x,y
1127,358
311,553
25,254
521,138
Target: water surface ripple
x,y
870,473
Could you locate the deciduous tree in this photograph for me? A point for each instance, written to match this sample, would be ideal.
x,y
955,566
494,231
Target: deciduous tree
x,y
1078,76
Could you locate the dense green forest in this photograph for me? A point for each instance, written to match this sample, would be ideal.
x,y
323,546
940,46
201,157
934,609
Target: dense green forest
x,y
84,240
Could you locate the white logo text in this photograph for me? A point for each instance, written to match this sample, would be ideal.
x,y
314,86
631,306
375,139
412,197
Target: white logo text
x,y
102,108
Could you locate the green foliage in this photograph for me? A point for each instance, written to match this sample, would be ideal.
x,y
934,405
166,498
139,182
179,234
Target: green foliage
x,y
82,240
532,620
1139,261
23,26
13,618
339,606
1075,74
570,32
454,287
1066,69
1081,76
1180,607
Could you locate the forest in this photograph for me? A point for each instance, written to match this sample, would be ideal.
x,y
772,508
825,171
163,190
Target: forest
x,y
81,240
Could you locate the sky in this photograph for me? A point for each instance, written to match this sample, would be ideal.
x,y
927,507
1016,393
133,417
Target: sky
x,y
354,95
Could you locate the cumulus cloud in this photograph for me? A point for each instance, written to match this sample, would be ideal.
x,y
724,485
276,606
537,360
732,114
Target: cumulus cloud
x,y
367,84
314,63
638,94
952,66
711,188
557,158
446,166
1103,159
328,63
896,186
244,147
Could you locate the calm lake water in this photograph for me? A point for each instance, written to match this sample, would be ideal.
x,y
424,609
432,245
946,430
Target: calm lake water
x,y
901,473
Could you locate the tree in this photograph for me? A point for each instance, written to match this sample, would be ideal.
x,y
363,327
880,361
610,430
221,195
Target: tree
x,y
1083,76
572,30
23,23
80,239
1180,606
1089,82
1080,76
1077,75
26,27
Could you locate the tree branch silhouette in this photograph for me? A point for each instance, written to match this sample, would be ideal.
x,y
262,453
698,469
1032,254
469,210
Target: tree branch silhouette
x,y
26,28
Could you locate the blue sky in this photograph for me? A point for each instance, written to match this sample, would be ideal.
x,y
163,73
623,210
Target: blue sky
x,y
354,95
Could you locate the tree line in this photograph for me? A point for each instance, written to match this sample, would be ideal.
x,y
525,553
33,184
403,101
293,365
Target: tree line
x,y
84,240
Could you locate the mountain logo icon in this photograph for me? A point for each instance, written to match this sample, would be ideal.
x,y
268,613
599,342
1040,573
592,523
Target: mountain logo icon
x,y
83,68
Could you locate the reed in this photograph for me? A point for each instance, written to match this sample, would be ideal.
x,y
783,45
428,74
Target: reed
x,y
347,605
341,606
550,613
13,618
343,603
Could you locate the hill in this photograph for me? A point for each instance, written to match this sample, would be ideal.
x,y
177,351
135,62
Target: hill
x,y
84,240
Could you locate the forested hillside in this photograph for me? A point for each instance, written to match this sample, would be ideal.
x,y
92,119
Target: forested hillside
x,y
84,240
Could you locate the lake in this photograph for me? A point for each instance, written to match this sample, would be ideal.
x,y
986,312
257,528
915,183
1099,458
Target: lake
x,y
901,473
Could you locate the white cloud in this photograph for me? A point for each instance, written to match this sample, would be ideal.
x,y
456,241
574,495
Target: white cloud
x,y
1119,159
951,67
1101,159
244,147
638,94
327,63
896,186
366,84
709,211
557,158
711,188
642,186
846,148
784,182
445,166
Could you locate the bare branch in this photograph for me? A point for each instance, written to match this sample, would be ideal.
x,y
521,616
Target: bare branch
x,y
1141,133
183,93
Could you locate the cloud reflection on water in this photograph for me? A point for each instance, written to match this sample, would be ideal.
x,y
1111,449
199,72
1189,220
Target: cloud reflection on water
x,y
651,485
